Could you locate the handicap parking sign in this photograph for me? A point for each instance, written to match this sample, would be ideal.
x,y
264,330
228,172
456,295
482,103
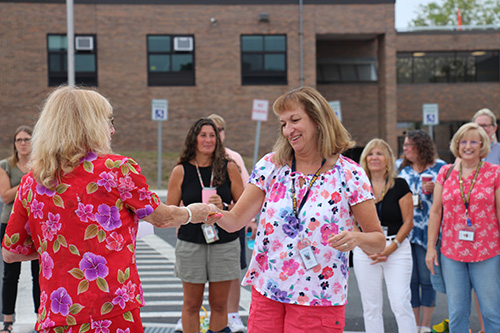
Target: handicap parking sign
x,y
430,114
159,108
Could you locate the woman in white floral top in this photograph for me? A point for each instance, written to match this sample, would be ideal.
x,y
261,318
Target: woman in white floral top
x,y
308,195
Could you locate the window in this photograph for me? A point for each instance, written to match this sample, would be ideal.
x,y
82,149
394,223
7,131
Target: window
x,y
170,60
85,60
448,67
346,70
263,60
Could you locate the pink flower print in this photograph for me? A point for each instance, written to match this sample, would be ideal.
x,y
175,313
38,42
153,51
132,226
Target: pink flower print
x,y
47,265
269,229
114,242
84,212
36,209
313,224
107,180
21,249
47,323
337,288
276,245
40,189
326,273
101,326
122,331
93,266
27,227
327,231
290,266
108,217
125,186
27,185
277,192
60,301
261,259
141,296
335,197
43,298
51,226
144,194
121,297
130,288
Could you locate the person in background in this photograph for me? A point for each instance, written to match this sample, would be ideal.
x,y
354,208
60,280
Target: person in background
x,y
308,196
12,170
467,209
394,264
233,304
487,120
78,211
420,158
205,252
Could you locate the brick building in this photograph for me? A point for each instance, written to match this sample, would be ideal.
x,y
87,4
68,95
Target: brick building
x,y
208,56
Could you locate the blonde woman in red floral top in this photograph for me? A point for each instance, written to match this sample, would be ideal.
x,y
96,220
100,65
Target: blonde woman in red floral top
x,y
78,211
469,203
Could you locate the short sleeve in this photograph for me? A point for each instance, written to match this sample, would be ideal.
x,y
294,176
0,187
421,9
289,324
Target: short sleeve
x,y
263,172
402,187
17,237
357,183
134,191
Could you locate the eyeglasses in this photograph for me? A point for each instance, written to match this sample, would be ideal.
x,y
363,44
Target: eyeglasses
x,y
408,145
25,140
485,125
220,129
112,120
472,143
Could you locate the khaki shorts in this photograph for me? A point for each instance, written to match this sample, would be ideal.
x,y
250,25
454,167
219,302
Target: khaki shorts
x,y
199,263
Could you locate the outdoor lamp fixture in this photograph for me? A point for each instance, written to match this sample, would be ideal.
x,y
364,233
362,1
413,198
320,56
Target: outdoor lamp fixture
x,y
478,53
418,54
263,17
213,21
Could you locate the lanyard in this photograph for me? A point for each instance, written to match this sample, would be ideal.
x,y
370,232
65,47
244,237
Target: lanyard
x,y
464,199
294,199
379,204
199,176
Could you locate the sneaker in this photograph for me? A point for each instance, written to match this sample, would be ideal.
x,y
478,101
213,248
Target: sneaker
x,y
425,329
178,326
235,324
442,327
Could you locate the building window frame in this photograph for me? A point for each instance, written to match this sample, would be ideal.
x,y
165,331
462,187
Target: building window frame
x,y
259,51
86,66
175,71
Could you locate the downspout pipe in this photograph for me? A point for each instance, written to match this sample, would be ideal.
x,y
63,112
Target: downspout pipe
x,y
301,44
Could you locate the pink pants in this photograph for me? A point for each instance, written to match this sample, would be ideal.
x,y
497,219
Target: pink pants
x,y
268,316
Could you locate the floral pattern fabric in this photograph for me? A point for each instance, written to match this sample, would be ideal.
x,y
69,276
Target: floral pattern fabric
x,y
85,234
482,212
276,269
418,234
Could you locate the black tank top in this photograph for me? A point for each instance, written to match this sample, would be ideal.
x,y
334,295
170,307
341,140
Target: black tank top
x,y
191,193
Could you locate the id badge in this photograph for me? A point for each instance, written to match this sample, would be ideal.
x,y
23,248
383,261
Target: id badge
x,y
416,199
386,230
210,233
308,257
467,234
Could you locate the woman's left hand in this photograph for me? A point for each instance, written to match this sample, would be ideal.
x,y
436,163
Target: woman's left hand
x,y
378,257
345,241
428,187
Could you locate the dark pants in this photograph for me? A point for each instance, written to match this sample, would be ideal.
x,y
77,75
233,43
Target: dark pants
x,y
11,274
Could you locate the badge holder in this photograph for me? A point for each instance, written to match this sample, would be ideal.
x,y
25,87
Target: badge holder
x,y
210,232
467,234
416,200
307,255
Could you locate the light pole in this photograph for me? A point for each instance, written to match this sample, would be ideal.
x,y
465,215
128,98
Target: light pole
x,y
71,42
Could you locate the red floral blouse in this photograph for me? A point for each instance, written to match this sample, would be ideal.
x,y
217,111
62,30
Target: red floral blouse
x,y
85,235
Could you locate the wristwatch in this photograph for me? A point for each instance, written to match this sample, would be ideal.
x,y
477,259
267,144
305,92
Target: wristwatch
x,y
398,244
225,206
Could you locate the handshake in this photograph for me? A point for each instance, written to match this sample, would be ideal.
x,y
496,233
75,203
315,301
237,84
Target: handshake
x,y
202,213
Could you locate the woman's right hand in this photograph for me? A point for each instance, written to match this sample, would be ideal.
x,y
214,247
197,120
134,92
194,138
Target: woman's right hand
x,y
431,258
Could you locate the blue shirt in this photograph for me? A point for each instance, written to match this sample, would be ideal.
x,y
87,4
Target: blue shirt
x,y
418,235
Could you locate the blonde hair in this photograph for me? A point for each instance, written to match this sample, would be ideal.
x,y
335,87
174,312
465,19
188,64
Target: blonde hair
x,y
390,172
489,113
462,131
333,138
73,122
218,120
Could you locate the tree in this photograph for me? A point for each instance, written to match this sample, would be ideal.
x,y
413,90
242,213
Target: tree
x,y
444,12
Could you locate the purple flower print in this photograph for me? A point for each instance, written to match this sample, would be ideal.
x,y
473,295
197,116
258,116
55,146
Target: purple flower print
x,y
93,266
108,217
36,209
40,189
51,226
121,297
143,212
101,326
107,180
126,185
47,265
60,301
84,212
91,156
144,194
280,296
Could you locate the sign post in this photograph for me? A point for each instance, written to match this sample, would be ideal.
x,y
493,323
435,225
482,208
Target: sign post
x,y
336,108
159,113
430,114
259,113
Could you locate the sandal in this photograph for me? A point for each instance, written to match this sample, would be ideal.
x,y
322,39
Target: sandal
x,y
7,327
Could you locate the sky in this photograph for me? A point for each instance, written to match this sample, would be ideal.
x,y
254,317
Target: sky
x,y
405,11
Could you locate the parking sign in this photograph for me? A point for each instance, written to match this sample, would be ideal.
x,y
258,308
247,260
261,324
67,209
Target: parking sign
x,y
430,114
159,109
